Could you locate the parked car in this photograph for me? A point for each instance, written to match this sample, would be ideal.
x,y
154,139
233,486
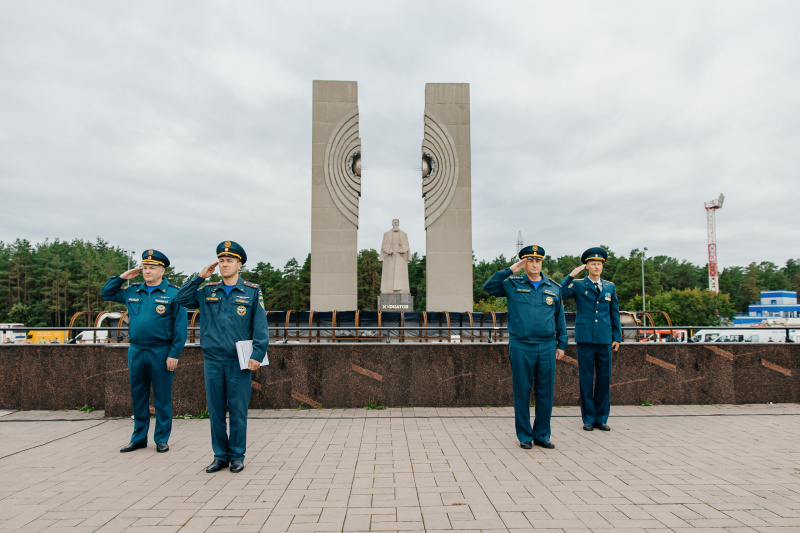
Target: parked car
x,y
740,335
12,337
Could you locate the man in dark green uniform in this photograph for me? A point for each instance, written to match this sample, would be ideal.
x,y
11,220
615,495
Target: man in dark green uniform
x,y
597,333
230,311
537,336
157,332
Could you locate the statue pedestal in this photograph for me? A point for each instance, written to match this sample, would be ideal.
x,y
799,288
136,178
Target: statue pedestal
x,y
395,302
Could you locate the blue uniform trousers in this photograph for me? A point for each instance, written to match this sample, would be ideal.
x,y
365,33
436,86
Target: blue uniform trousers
x,y
147,365
227,385
533,365
594,374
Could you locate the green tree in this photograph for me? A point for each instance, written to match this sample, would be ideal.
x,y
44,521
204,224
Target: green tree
x,y
690,307
417,280
792,273
369,279
628,279
482,271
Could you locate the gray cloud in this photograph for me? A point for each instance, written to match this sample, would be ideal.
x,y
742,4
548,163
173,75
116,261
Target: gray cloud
x,y
180,125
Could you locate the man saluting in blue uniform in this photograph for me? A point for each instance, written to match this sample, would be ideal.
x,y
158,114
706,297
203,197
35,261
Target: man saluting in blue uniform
x,y
537,336
157,331
230,312
597,332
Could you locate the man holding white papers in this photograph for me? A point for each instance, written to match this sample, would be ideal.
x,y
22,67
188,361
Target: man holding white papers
x,y
230,311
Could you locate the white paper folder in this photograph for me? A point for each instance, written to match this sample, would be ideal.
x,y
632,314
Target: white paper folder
x,y
244,349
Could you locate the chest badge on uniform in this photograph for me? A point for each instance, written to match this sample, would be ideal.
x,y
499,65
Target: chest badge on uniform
x,y
241,310
160,309
549,300
608,298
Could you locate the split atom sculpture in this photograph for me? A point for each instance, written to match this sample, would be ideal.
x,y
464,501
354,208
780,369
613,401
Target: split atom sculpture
x,y
336,189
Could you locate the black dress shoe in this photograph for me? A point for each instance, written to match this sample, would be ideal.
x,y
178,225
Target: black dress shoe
x,y
133,446
237,466
524,444
544,444
588,427
601,426
216,466
162,447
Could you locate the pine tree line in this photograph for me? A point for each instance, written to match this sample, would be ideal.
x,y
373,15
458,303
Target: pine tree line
x,y
44,284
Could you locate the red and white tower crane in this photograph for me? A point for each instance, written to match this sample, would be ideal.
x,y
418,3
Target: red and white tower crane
x,y
713,274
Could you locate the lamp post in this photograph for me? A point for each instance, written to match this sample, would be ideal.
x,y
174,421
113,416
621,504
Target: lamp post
x,y
128,254
644,309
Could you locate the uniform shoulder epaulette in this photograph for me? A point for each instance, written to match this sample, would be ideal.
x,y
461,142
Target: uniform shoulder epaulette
x,y
251,284
210,284
609,282
174,286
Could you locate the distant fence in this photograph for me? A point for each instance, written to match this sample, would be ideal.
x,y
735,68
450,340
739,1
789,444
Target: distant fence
x,y
424,327
342,331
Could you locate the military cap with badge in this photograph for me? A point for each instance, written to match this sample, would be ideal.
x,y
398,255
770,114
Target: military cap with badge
x,y
231,249
535,252
594,254
154,257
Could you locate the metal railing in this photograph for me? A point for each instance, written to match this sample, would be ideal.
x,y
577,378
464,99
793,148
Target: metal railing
x,y
442,333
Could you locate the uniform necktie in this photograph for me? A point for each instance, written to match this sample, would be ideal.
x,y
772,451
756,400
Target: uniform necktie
x,y
597,284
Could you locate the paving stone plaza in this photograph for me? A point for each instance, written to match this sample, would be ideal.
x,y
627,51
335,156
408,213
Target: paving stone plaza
x,y
723,468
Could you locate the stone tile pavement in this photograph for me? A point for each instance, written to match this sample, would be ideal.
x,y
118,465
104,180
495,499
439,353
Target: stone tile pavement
x,y
727,468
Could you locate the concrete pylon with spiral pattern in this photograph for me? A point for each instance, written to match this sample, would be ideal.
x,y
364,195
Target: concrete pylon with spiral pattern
x,y
335,193
447,190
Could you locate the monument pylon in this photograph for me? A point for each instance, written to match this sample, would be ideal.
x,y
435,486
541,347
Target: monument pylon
x,y
447,189
335,193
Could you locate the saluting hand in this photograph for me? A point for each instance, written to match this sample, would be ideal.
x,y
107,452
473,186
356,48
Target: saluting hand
x,y
172,364
577,271
207,271
130,274
516,267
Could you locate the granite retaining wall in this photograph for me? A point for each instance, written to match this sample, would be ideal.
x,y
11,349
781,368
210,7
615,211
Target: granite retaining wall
x,y
411,374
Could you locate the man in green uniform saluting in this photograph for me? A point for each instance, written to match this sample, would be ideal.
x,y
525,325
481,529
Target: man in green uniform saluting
x,y
597,334
537,336
230,312
157,332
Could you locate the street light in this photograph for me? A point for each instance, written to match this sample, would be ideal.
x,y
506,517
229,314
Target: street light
x,y
643,306
128,254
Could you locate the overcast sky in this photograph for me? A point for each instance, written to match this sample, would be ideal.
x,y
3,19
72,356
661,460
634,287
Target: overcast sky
x,y
176,125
